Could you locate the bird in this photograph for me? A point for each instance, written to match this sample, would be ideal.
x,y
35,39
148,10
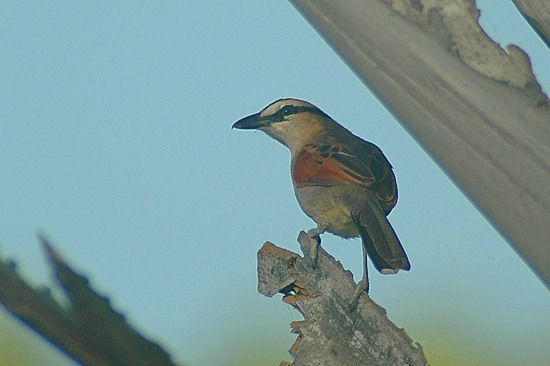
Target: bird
x,y
342,182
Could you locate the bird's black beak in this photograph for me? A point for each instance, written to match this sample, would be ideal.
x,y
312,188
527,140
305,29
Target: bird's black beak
x,y
252,122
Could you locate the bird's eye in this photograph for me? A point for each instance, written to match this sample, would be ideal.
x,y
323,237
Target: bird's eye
x,y
287,111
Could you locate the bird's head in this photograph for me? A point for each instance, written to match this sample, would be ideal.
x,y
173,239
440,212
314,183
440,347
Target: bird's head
x,y
292,122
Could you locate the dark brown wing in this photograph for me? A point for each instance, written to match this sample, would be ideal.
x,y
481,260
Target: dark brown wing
x,y
360,163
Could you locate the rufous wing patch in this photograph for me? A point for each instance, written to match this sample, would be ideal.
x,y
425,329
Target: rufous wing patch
x,y
328,165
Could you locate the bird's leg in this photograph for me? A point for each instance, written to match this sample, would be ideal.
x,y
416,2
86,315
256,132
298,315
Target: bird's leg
x,y
363,285
315,238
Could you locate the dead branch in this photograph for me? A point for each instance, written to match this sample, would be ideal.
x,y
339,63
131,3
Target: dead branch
x,y
333,332
89,330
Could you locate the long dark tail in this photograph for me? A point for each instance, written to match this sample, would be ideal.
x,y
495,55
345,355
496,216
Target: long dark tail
x,y
380,241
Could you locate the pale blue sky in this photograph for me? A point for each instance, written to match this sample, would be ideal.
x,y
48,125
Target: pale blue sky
x,y
116,143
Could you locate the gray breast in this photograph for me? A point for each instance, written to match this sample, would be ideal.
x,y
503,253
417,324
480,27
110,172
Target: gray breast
x,y
332,206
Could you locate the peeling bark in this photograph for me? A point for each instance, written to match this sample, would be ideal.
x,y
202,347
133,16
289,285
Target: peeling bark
x,y
335,329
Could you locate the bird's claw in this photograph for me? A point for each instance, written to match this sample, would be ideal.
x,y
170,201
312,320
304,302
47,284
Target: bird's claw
x,y
315,240
362,287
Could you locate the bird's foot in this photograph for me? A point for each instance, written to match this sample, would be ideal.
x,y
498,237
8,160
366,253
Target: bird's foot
x,y
316,231
315,241
361,288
